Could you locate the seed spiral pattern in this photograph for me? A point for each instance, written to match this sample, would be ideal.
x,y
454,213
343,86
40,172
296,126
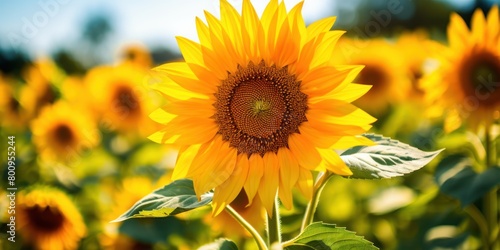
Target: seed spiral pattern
x,y
258,107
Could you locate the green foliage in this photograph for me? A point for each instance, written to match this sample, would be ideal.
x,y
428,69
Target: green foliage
x,y
174,198
389,158
322,236
220,244
456,178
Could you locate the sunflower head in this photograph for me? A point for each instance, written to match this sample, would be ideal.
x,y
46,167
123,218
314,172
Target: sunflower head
x,y
258,104
119,97
384,70
42,85
48,219
61,133
416,48
138,55
12,113
466,82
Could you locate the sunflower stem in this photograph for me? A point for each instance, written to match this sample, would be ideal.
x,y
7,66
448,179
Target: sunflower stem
x,y
481,222
258,239
491,199
321,180
273,225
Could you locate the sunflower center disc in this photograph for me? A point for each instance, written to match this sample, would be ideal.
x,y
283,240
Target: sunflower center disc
x,y
374,76
258,107
63,134
45,218
125,101
481,75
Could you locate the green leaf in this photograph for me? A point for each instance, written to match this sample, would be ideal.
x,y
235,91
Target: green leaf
x,y
174,198
322,236
448,242
220,244
457,179
389,158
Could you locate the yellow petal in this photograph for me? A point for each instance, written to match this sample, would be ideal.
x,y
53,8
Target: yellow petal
x,y
289,174
269,182
191,130
182,75
457,31
286,50
159,81
304,151
191,51
322,80
493,24
350,93
184,160
252,32
191,107
255,172
226,192
203,33
215,172
478,26
334,163
161,116
320,26
320,137
324,51
230,19
298,24
305,183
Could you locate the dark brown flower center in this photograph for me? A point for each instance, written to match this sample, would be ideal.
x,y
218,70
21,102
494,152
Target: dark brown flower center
x,y
258,107
373,75
63,134
480,78
126,102
47,219
14,105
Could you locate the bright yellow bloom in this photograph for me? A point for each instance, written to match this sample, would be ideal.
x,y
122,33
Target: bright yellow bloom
x,y
124,197
12,114
62,131
119,96
384,69
138,55
258,104
466,83
49,220
42,83
415,49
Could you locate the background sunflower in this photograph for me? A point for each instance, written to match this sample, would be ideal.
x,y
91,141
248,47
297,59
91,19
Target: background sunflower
x,y
48,219
465,82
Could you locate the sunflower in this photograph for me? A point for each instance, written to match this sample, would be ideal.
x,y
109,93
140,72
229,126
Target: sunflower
x,y
466,81
384,69
415,48
137,55
42,80
48,219
62,131
12,113
118,95
131,191
258,105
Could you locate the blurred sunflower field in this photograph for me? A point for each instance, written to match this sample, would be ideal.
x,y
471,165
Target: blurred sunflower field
x,y
240,124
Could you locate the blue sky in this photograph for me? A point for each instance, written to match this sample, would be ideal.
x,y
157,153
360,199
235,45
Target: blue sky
x,y
40,26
